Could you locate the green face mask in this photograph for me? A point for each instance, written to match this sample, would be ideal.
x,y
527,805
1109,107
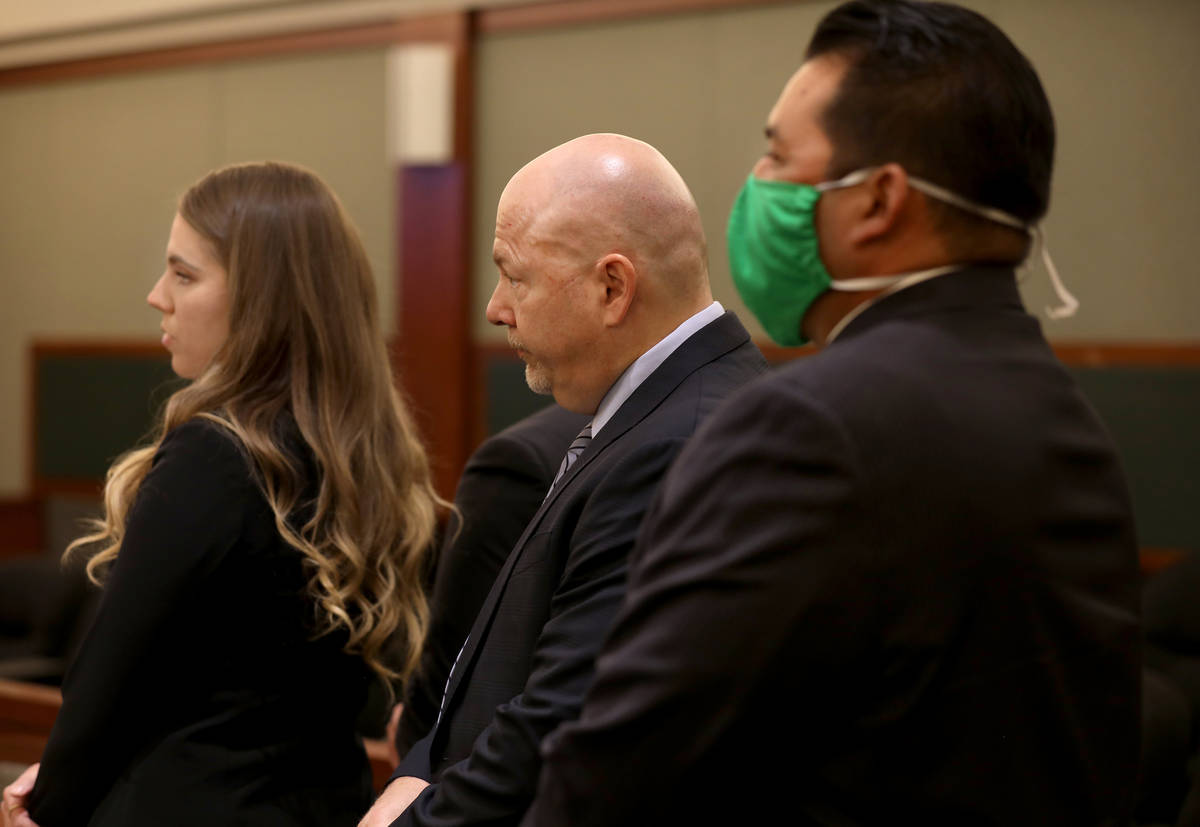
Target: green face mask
x,y
773,253
777,267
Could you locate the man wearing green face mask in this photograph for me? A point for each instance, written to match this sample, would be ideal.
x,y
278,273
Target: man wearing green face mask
x,y
894,582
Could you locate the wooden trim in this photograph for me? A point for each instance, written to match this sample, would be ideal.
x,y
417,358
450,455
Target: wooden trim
x,y
37,705
1128,354
463,43
577,12
442,28
31,409
44,487
127,348
1153,560
437,28
27,712
464,155
21,526
433,352
381,762
1099,354
433,313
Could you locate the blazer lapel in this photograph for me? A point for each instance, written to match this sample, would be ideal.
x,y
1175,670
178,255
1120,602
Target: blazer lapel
x,y
707,344
710,342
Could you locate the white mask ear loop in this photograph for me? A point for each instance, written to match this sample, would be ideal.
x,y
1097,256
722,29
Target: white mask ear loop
x,y
1069,304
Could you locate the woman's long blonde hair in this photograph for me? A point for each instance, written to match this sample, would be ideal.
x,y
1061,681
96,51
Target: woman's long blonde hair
x,y
305,345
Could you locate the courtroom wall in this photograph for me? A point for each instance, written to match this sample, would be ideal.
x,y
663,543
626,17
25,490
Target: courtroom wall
x,y
91,171
1121,77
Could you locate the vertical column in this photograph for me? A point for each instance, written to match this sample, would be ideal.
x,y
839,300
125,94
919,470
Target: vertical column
x,y
429,137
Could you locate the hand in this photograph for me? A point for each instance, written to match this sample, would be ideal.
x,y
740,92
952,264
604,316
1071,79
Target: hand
x,y
393,801
392,725
15,796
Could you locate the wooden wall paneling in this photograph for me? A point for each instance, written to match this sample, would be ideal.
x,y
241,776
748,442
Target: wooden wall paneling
x,y
576,12
21,528
27,712
435,28
433,290
433,315
464,154
381,762
461,37
1154,560
1128,354
1097,354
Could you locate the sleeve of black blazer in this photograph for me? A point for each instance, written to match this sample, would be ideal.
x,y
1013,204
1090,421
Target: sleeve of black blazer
x,y
496,782
758,503
500,489
186,517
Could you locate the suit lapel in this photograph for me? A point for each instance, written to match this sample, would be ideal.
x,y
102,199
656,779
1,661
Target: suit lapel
x,y
711,342
707,344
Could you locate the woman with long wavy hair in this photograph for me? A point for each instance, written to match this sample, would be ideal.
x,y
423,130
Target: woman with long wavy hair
x,y
258,556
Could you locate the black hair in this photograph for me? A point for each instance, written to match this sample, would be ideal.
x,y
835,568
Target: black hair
x,y
942,91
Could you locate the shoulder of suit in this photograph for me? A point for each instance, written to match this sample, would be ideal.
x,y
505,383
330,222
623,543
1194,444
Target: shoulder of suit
x,y
202,443
205,434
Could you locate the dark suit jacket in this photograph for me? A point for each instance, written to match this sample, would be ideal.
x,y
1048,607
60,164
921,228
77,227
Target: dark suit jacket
x,y
529,656
502,486
1171,694
181,706
892,583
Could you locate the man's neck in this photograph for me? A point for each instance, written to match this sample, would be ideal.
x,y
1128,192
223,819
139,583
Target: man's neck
x,y
649,360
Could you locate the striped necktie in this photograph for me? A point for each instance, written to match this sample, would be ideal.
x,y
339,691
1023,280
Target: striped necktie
x,y
577,447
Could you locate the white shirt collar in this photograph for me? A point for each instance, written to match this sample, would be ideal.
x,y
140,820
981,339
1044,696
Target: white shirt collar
x,y
648,362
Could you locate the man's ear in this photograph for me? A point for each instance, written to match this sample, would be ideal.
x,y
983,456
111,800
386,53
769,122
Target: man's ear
x,y
885,197
619,279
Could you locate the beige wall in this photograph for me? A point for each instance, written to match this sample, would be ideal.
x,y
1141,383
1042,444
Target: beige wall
x,y
90,171
1120,75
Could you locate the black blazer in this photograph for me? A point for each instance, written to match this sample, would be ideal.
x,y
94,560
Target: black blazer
x,y
182,705
529,656
501,487
892,583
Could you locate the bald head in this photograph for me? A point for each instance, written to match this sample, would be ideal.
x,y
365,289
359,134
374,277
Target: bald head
x,y
607,193
601,255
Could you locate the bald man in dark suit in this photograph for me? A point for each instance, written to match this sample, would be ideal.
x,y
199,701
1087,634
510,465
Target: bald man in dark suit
x,y
604,292
501,487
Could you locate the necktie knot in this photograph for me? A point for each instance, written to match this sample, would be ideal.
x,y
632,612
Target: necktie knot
x,y
578,446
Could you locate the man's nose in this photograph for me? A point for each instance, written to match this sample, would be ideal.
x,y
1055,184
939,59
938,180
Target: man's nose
x,y
498,311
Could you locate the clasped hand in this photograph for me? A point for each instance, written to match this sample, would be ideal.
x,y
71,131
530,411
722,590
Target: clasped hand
x,y
15,796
